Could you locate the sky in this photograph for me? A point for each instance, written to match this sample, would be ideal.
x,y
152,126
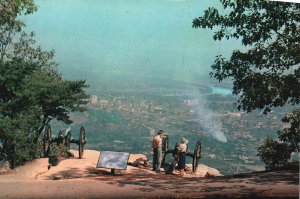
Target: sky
x,y
132,44
104,41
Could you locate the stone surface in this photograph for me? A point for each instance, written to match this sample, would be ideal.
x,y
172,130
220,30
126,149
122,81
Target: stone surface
x,y
4,167
57,177
205,171
138,160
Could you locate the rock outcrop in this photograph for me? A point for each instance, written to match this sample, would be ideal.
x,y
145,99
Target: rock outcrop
x,y
138,165
4,167
205,171
138,160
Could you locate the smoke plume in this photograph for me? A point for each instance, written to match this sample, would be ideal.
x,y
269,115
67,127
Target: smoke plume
x,y
209,121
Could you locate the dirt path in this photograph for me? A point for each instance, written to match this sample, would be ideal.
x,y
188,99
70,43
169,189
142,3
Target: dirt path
x,y
263,185
80,179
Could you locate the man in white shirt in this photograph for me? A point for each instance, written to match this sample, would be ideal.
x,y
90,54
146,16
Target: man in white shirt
x,y
157,151
182,148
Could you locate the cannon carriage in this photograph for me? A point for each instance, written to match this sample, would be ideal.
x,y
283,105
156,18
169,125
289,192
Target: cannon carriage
x,y
64,138
196,154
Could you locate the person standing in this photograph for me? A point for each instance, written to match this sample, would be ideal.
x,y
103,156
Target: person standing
x,y
157,150
182,149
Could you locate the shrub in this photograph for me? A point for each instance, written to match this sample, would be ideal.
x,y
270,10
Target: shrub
x,y
273,153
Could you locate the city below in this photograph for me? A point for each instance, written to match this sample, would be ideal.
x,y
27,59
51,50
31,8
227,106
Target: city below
x,y
127,121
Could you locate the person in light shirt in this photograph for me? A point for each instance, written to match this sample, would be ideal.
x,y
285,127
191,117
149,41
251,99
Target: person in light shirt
x,y
157,150
182,149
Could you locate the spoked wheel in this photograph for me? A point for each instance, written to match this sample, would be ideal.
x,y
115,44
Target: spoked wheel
x,y
82,141
68,140
165,147
47,140
196,156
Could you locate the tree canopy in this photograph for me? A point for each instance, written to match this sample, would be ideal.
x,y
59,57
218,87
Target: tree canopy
x,y
266,74
33,92
266,71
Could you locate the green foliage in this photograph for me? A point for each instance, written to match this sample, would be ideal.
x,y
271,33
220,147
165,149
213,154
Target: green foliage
x,y
56,152
273,153
291,135
17,135
266,73
32,91
10,24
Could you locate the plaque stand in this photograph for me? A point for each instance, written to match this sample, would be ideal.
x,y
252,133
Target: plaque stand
x,y
112,171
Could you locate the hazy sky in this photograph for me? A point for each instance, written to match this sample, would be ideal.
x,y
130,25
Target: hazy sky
x,y
133,38
130,43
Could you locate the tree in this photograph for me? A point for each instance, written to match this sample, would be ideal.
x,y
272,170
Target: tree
x,y
32,91
273,153
291,134
266,73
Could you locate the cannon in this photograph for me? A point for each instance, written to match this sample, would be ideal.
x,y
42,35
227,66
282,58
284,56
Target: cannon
x,y
64,138
196,154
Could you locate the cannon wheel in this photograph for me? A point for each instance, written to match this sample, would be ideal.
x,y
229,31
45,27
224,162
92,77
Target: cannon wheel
x,y
47,140
81,142
196,156
165,147
68,140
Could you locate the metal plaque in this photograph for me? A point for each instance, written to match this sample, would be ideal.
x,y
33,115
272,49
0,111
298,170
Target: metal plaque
x,y
113,160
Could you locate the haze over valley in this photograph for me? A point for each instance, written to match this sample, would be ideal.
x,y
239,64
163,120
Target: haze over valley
x,y
148,69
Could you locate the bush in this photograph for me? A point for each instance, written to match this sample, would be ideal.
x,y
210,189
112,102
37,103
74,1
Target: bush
x,y
273,153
